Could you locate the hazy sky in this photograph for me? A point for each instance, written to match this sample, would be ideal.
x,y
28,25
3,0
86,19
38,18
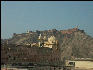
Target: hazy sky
x,y
19,16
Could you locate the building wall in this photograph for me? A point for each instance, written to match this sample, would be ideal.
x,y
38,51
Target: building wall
x,y
84,64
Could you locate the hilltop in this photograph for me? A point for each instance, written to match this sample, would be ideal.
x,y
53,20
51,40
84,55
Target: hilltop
x,y
73,43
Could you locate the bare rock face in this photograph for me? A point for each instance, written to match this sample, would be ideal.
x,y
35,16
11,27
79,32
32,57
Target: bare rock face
x,y
79,45
73,43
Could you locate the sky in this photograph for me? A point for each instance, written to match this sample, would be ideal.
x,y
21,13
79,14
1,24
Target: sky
x,y
20,16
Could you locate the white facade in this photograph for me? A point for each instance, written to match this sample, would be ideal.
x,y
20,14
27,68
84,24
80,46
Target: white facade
x,y
83,64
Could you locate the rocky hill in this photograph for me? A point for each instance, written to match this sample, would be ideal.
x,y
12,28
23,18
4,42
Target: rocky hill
x,y
72,42
79,45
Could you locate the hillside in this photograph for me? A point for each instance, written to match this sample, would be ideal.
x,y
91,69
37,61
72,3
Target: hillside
x,y
79,45
72,42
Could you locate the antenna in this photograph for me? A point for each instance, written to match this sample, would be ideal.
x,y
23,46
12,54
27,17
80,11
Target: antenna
x,y
27,29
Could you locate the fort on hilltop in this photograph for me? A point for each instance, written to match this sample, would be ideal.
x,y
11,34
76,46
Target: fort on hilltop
x,y
68,31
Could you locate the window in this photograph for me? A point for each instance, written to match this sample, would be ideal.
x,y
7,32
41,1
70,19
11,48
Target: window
x,y
71,63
